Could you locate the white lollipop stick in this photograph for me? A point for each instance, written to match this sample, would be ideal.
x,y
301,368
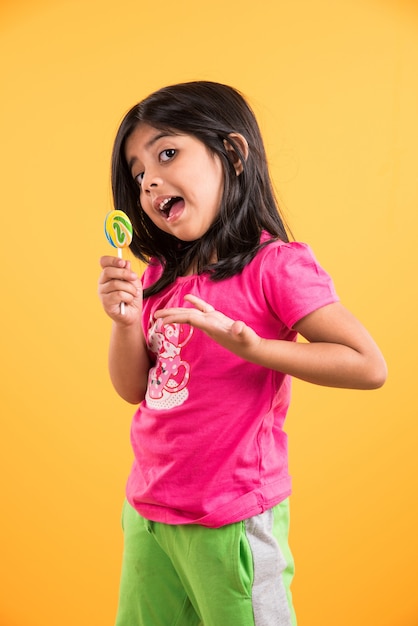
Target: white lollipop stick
x,y
122,304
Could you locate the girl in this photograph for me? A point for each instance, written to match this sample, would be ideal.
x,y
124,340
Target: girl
x,y
207,347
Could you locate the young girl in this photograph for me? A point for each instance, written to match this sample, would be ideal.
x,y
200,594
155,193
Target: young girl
x,y
206,348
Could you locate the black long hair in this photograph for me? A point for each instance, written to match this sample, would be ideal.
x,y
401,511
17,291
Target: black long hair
x,y
210,112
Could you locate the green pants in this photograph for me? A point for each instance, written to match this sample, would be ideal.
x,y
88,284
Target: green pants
x,y
190,575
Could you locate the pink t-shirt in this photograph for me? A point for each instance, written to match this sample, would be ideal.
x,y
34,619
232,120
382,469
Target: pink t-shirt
x,y
208,439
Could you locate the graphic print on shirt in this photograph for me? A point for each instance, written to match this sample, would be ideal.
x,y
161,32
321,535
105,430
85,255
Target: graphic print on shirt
x,y
168,379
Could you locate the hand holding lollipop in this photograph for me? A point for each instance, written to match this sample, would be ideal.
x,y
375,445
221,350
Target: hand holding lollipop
x,y
118,229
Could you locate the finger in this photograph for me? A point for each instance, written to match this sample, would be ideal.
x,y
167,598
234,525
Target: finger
x,y
244,334
200,304
119,286
192,317
113,261
182,315
112,300
117,273
238,329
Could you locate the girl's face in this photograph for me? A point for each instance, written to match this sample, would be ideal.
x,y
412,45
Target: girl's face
x,y
180,182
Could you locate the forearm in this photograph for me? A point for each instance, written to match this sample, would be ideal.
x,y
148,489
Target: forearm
x,y
328,364
128,362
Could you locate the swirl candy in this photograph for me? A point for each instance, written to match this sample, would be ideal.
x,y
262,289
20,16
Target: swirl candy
x,y
118,229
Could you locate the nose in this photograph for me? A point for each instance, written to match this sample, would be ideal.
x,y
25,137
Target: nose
x,y
150,180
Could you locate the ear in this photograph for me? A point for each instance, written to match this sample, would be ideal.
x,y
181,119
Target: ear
x,y
242,144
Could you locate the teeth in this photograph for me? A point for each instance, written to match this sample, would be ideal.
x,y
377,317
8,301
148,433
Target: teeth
x,y
164,203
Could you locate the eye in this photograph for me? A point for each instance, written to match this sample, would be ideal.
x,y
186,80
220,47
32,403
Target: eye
x,y
139,178
168,154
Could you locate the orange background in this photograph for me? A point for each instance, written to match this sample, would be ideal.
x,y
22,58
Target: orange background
x,y
335,88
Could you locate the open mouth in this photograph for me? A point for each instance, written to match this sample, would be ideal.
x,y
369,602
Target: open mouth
x,y
166,207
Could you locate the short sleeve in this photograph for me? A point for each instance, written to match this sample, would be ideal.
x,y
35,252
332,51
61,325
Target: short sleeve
x,y
294,283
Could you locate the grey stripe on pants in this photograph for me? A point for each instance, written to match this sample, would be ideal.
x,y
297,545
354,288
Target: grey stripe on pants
x,y
270,602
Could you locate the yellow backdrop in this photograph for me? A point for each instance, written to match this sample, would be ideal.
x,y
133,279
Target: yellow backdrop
x,y
334,85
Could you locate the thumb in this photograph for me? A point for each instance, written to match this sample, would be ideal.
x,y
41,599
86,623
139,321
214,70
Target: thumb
x,y
239,330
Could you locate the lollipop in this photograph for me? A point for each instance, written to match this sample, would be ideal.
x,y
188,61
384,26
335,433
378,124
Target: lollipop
x,y
118,229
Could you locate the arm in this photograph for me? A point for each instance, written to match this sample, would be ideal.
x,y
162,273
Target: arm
x,y
339,353
128,358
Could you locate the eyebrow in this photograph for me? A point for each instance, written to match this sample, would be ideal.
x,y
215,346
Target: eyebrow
x,y
149,144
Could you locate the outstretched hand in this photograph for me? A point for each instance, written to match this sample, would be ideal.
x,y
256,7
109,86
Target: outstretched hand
x,y
234,335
